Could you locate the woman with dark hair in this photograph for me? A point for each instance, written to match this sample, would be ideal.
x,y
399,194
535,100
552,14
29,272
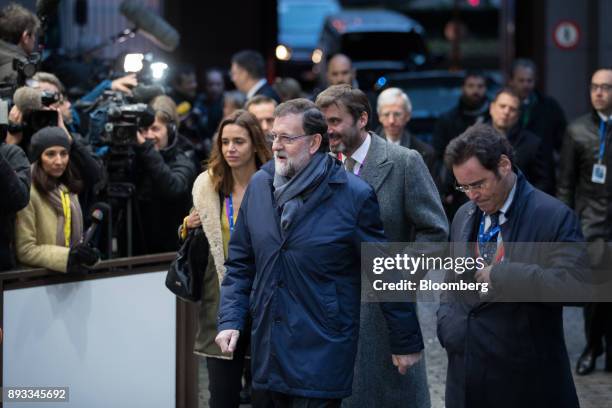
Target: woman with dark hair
x,y
239,150
49,229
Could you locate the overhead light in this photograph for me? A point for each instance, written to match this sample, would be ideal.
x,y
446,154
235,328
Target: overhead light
x,y
133,62
317,55
283,52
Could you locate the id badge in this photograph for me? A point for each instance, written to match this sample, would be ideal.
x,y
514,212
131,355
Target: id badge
x,y
599,173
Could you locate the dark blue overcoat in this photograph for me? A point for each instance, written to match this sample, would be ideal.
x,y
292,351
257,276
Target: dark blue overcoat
x,y
302,289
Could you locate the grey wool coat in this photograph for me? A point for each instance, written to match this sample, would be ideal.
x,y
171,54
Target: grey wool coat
x,y
411,210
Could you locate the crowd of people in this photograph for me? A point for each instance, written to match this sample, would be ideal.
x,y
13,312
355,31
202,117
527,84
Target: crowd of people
x,y
287,186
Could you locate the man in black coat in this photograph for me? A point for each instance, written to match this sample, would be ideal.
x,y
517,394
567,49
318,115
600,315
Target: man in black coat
x,y
394,111
582,153
248,73
15,193
473,107
529,154
503,354
540,114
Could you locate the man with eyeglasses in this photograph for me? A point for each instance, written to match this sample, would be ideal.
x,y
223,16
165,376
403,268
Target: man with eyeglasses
x,y
394,111
585,186
294,266
411,211
503,353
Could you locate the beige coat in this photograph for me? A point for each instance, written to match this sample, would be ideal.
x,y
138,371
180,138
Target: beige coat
x,y
208,204
36,235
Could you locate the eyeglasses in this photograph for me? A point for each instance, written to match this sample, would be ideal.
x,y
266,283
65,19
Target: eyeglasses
x,y
603,87
466,188
285,139
396,115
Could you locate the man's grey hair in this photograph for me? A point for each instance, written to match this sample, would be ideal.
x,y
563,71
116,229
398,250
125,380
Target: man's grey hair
x,y
389,96
313,120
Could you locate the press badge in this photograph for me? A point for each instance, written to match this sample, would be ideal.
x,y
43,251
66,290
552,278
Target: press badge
x,y
599,173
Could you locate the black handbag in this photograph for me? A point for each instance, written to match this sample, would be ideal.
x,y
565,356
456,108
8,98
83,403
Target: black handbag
x,y
186,272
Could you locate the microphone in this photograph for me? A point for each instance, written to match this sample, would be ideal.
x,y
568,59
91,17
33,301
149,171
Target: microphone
x,y
27,100
96,218
150,24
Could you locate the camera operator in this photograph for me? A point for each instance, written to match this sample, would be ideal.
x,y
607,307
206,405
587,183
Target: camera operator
x,y
165,171
15,193
18,31
49,229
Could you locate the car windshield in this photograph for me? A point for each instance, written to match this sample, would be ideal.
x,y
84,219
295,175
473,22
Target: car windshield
x,y
388,46
299,23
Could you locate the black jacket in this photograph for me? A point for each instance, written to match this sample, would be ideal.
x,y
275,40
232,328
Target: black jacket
x,y
454,122
15,193
530,158
268,91
512,354
575,188
427,152
544,117
163,194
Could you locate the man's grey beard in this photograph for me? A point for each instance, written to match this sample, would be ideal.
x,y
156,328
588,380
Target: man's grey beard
x,y
291,167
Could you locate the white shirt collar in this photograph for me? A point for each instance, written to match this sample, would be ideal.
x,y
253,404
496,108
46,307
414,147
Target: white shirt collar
x,y
360,154
256,88
503,209
604,117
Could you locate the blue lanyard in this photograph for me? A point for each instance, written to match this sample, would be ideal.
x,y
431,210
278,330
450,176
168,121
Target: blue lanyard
x,y
602,140
229,209
484,237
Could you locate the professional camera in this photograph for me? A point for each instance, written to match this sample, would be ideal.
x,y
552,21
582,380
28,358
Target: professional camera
x,y
124,122
26,69
49,98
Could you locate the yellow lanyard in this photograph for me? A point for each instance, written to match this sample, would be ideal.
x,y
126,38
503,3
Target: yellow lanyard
x,y
67,215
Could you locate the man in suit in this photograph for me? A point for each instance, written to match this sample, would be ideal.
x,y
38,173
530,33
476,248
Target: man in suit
x,y
394,112
411,210
248,73
503,354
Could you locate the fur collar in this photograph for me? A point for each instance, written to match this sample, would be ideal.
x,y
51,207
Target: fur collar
x,y
206,202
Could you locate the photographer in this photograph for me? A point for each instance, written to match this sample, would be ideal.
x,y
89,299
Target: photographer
x,y
18,30
165,171
15,193
49,229
88,165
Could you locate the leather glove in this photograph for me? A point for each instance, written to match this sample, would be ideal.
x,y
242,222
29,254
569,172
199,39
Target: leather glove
x,y
82,254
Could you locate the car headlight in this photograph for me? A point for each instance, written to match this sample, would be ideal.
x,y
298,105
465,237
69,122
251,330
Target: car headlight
x,y
283,52
317,55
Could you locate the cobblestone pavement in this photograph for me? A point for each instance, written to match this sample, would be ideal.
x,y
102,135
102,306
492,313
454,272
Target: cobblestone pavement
x,y
594,391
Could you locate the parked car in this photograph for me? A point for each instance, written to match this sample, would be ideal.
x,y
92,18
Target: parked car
x,y
432,93
378,41
299,25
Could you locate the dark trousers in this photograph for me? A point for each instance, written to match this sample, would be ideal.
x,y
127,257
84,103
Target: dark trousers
x,y
598,326
289,401
225,379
